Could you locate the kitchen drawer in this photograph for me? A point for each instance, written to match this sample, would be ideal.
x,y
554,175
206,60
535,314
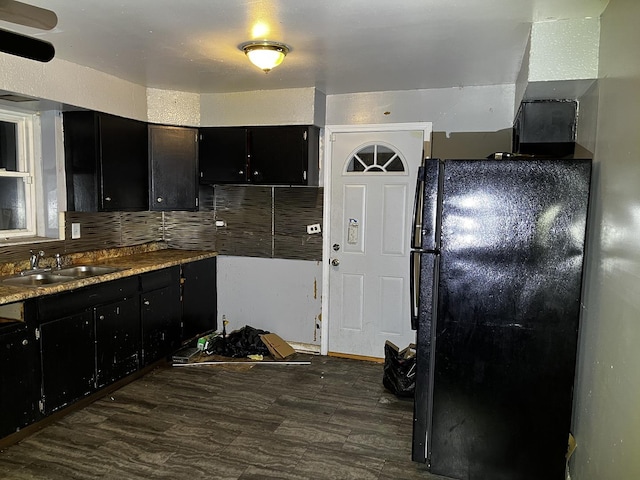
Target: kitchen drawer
x,y
160,278
63,304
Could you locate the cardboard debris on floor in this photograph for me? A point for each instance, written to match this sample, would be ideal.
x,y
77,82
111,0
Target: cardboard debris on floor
x,y
278,348
280,353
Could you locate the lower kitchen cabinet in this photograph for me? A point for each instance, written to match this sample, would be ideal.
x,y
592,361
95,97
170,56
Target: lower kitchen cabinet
x,y
199,298
117,340
73,336
71,344
67,349
19,378
161,313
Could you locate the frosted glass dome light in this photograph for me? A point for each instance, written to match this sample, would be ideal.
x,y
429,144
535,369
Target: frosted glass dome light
x,y
265,55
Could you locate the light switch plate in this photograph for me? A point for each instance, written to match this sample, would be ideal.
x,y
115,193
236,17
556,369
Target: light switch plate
x,y
75,230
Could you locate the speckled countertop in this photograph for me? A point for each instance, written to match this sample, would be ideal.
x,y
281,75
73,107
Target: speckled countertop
x,y
133,264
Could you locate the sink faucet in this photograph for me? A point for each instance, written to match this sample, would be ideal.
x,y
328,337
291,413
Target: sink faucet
x,y
34,259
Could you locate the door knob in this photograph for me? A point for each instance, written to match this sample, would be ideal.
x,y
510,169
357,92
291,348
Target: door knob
x,y
335,262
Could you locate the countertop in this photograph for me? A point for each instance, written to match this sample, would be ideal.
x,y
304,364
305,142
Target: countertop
x,y
130,264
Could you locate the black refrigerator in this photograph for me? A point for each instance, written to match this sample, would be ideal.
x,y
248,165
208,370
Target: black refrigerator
x,y
496,270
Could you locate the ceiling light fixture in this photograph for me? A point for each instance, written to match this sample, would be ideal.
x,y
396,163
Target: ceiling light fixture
x,y
265,55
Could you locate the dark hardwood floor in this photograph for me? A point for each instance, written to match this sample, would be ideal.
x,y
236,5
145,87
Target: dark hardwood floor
x,y
329,420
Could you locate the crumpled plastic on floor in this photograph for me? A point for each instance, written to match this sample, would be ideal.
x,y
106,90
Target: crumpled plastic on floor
x,y
239,343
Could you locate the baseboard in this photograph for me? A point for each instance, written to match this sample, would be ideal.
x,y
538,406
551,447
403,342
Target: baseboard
x,y
308,348
356,357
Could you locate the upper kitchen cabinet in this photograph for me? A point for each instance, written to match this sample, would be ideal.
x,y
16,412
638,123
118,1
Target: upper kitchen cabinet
x,y
173,163
106,162
223,155
274,155
283,155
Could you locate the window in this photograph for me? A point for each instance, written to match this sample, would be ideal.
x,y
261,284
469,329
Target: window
x,y
17,192
376,158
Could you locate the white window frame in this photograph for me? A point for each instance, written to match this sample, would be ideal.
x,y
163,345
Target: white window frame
x,y
26,168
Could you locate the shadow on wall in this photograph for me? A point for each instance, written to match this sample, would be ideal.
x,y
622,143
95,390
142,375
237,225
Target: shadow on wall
x,y
481,144
470,144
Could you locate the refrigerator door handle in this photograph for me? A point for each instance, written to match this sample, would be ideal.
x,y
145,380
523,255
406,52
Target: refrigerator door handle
x,y
414,257
416,229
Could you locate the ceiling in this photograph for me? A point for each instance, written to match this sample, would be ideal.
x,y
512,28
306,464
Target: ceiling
x,y
337,46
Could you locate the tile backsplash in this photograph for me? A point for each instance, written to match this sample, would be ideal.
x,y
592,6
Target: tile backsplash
x,y
253,221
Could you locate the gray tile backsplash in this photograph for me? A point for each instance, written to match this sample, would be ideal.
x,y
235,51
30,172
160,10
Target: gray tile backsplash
x,y
268,222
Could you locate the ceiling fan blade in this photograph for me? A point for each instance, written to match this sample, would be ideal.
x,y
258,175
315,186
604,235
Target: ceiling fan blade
x,y
26,47
28,15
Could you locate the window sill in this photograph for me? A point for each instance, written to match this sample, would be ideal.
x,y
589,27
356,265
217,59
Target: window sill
x,y
9,241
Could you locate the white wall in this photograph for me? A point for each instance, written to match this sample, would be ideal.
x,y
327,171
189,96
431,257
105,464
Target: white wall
x,y
282,296
293,106
564,49
66,82
52,191
173,108
607,395
466,109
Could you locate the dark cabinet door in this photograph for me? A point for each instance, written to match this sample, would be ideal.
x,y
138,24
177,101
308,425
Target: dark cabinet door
x,y
173,162
81,154
67,351
274,155
19,380
123,162
106,162
283,155
117,340
223,155
161,319
199,298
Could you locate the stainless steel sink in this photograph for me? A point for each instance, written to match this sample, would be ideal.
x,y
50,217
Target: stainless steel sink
x,y
81,271
51,277
37,279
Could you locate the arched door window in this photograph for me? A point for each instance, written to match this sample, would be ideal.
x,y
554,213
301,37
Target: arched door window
x,y
376,158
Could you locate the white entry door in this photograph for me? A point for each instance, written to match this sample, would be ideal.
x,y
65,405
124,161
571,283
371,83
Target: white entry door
x,y
373,177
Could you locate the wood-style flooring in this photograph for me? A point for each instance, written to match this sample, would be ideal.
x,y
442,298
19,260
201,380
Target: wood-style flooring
x,y
332,419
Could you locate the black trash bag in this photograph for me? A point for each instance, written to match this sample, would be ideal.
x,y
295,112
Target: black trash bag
x,y
399,370
239,343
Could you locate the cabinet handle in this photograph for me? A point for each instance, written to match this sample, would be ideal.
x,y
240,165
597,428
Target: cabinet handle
x,y
159,199
146,302
256,173
107,199
101,317
241,172
25,342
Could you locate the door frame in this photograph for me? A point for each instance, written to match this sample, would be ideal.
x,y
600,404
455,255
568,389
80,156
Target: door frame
x,y
426,127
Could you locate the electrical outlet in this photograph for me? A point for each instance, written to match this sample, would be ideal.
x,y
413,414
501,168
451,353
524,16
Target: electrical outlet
x,y
315,228
75,230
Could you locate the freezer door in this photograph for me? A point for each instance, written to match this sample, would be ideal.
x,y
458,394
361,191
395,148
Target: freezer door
x,y
511,258
424,311
425,233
